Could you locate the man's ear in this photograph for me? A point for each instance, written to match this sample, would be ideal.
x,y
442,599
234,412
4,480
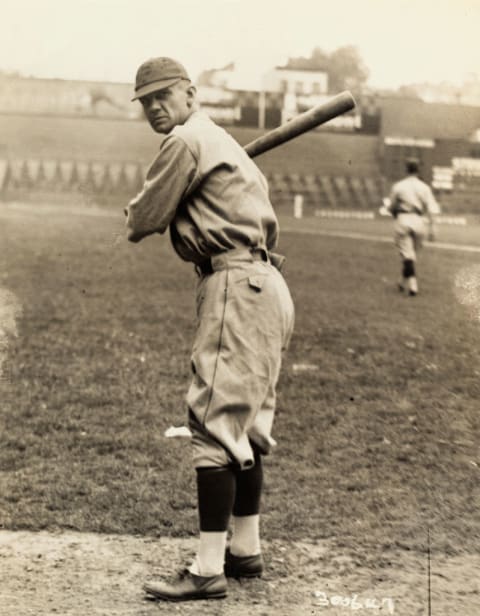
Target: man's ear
x,y
191,94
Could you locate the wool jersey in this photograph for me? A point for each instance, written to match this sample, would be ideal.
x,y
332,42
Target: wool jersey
x,y
412,196
207,190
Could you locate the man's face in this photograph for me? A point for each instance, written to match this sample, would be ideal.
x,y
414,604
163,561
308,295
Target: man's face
x,y
166,108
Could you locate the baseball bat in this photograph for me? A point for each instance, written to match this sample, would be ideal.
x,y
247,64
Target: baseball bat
x,y
341,103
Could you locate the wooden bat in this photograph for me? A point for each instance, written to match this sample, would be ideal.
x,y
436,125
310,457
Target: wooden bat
x,y
341,103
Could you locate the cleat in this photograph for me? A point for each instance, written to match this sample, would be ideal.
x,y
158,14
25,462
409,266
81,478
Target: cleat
x,y
243,566
188,587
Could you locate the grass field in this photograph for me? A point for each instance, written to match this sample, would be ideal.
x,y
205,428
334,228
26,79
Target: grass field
x,y
381,226
377,443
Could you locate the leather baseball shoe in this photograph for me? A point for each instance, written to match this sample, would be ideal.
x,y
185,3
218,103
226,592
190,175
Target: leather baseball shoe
x,y
243,566
188,586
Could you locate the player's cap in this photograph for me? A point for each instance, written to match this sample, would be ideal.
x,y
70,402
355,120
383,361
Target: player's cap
x,y
412,164
158,74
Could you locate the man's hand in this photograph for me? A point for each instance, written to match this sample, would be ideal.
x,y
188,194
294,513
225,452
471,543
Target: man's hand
x,y
385,210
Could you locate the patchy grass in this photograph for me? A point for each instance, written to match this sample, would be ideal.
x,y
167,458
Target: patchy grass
x,y
375,444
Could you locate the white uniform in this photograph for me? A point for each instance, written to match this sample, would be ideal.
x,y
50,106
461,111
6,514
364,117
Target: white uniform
x,y
411,202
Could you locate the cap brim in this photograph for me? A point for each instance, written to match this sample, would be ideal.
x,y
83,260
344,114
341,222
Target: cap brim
x,y
154,86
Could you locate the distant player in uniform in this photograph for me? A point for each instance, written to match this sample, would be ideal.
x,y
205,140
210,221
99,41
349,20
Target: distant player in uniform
x,y
413,206
205,189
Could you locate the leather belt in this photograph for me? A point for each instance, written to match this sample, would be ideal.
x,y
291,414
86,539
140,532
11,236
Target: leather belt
x,y
206,267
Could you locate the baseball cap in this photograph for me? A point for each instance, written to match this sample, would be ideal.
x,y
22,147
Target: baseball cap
x,y
412,164
158,74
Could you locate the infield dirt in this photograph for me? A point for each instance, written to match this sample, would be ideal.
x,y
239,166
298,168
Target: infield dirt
x,y
75,574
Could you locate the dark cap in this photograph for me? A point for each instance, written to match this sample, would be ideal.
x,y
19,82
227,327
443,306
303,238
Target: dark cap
x,y
412,164
158,74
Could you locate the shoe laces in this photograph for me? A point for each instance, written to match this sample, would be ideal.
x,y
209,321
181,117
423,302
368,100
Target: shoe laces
x,y
183,573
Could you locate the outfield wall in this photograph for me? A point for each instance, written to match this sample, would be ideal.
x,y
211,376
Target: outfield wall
x,y
22,178
98,157
102,182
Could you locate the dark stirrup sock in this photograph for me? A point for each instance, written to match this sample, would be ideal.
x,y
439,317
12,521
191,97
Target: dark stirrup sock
x,y
249,489
408,268
216,494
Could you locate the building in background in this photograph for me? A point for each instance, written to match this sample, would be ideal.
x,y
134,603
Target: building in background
x,y
274,97
294,82
268,99
468,93
445,137
231,95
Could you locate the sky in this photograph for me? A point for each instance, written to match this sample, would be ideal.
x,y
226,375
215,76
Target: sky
x,y
400,41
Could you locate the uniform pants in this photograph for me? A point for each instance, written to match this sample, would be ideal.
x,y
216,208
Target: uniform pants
x,y
409,230
245,318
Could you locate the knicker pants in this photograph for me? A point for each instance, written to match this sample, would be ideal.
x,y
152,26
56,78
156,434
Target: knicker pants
x,y
409,230
245,320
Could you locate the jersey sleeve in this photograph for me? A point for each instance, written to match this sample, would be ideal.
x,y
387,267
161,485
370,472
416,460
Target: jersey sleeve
x,y
392,200
168,179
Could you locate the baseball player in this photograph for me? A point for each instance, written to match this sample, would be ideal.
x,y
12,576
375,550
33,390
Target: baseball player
x,y
411,202
205,189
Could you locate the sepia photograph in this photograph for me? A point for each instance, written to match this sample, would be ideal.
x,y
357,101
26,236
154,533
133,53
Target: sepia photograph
x,y
239,308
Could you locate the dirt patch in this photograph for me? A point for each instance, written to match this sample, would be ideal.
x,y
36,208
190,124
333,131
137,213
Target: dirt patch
x,y
75,574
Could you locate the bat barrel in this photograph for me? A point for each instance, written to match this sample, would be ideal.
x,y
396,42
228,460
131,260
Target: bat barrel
x,y
341,103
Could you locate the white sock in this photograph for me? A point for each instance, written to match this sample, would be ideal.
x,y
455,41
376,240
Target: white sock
x,y
210,556
246,535
412,284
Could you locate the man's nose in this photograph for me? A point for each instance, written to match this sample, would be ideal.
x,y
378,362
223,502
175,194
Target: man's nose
x,y
154,103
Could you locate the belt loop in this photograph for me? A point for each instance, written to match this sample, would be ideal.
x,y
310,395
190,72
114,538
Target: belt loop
x,y
261,251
